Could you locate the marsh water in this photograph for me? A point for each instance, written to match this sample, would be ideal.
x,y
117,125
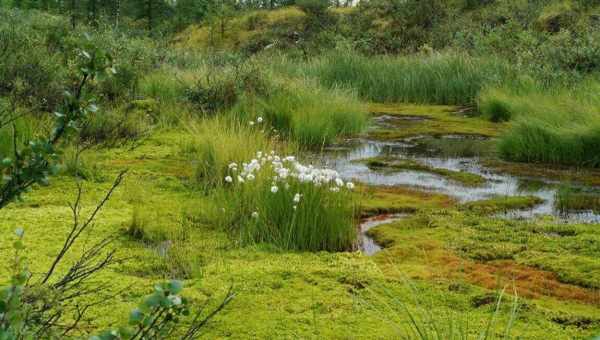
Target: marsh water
x,y
451,152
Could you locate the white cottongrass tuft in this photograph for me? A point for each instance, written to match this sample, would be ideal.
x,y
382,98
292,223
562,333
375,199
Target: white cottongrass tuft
x,y
285,171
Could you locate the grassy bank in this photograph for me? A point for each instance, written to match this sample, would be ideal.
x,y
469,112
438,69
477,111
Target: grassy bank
x,y
305,113
556,126
451,79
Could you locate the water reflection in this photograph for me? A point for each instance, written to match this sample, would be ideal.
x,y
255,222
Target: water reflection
x,y
345,160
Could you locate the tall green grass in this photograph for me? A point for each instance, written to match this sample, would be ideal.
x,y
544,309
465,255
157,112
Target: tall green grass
x,y
422,317
306,113
451,79
556,126
167,87
212,144
289,213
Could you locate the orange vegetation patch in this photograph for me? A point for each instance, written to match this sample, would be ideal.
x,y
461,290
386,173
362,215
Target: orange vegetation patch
x,y
430,260
529,282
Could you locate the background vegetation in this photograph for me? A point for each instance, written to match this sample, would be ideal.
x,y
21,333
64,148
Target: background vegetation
x,y
194,86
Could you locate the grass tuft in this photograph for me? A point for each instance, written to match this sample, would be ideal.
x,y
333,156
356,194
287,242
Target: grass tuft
x,y
434,79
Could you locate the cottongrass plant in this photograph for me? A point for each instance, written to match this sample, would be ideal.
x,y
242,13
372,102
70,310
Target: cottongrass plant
x,y
278,200
212,144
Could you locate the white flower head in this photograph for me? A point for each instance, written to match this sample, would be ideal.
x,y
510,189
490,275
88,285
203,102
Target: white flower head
x,y
250,177
255,214
297,198
228,179
274,189
232,165
350,185
251,123
259,120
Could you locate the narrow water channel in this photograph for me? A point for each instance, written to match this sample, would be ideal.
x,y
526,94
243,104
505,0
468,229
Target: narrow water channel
x,y
455,153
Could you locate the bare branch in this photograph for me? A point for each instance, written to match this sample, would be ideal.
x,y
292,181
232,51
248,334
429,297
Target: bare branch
x,y
78,228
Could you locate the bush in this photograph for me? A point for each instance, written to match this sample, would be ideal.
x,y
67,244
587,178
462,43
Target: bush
x,y
115,126
317,8
221,91
277,200
28,72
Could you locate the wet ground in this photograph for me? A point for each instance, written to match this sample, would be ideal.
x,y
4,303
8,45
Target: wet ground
x,y
460,153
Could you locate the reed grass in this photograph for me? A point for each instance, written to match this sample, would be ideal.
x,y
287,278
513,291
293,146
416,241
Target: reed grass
x,y
451,79
306,113
556,126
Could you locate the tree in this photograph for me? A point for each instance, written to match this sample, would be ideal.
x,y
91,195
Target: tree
x,y
33,162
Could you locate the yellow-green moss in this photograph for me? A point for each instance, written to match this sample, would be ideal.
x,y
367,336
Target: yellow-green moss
x,y
557,172
439,120
389,200
299,294
502,203
541,260
463,177
240,29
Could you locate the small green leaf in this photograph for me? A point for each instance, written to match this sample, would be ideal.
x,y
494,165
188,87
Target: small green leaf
x,y
175,286
136,317
153,300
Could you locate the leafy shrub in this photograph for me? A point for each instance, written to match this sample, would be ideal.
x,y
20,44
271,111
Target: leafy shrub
x,y
158,316
256,20
317,8
124,84
116,126
221,91
28,72
278,200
